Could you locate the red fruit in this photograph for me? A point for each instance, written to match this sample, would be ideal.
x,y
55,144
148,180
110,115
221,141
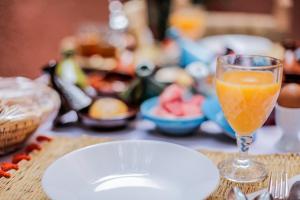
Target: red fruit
x,y
174,108
171,93
172,103
191,110
161,112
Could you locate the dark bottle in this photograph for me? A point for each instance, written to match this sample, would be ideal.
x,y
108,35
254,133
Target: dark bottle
x,y
144,86
158,15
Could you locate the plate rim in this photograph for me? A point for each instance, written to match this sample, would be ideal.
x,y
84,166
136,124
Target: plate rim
x,y
190,150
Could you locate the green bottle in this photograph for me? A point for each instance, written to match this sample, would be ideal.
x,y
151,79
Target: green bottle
x,y
69,70
144,86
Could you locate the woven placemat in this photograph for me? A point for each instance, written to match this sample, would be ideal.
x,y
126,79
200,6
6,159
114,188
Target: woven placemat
x,y
25,183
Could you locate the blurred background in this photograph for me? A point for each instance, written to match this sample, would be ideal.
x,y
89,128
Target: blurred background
x,y
31,30
109,62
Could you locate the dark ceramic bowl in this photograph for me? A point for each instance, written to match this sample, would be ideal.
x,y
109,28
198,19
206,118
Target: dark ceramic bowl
x,y
113,123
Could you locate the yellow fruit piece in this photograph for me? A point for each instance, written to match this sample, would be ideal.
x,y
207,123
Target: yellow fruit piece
x,y
107,108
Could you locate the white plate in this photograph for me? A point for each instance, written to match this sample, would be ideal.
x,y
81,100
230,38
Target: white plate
x,y
131,170
241,44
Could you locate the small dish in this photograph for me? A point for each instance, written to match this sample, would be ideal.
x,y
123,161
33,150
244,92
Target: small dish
x,y
132,170
172,126
108,83
113,123
287,119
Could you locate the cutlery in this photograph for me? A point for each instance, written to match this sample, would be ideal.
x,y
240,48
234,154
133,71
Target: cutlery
x,y
278,186
236,194
295,191
293,180
264,196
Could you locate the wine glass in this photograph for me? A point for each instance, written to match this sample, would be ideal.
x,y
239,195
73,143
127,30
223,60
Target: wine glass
x,y
247,88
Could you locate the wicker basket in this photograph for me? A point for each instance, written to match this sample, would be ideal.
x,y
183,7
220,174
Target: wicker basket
x,y
24,106
14,133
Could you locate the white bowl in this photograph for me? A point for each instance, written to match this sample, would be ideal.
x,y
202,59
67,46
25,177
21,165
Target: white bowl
x,y
133,170
287,119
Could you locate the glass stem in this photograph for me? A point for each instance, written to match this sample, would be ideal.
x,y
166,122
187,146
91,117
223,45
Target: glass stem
x,y
243,143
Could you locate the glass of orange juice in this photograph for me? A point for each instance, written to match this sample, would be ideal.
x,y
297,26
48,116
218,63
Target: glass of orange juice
x,y
247,88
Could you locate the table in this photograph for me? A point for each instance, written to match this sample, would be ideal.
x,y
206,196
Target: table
x,y
215,140
145,130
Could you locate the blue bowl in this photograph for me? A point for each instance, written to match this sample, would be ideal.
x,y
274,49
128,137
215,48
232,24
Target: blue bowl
x,y
191,51
212,110
172,126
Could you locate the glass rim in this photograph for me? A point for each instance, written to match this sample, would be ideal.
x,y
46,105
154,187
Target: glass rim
x,y
279,63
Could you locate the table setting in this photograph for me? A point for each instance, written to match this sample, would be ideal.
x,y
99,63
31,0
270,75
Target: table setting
x,y
122,114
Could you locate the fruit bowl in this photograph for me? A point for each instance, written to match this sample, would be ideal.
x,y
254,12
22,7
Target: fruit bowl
x,y
172,126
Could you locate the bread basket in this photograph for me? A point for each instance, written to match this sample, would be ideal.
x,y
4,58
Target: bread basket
x,y
24,106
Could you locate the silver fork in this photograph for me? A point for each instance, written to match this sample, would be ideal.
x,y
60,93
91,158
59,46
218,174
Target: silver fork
x,y
278,185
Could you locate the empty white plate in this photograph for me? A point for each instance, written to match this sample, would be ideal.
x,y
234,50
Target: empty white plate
x,y
241,44
133,170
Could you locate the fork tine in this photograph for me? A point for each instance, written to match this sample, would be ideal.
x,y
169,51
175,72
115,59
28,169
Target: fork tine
x,y
276,190
286,186
270,187
278,185
281,191
274,194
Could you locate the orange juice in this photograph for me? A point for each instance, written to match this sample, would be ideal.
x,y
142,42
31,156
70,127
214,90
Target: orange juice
x,y
247,98
189,21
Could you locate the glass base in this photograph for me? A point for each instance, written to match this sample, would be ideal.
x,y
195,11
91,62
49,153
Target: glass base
x,y
242,171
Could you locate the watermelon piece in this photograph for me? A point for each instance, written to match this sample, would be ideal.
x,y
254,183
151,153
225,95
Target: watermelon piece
x,y
174,107
160,111
171,93
172,103
190,110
